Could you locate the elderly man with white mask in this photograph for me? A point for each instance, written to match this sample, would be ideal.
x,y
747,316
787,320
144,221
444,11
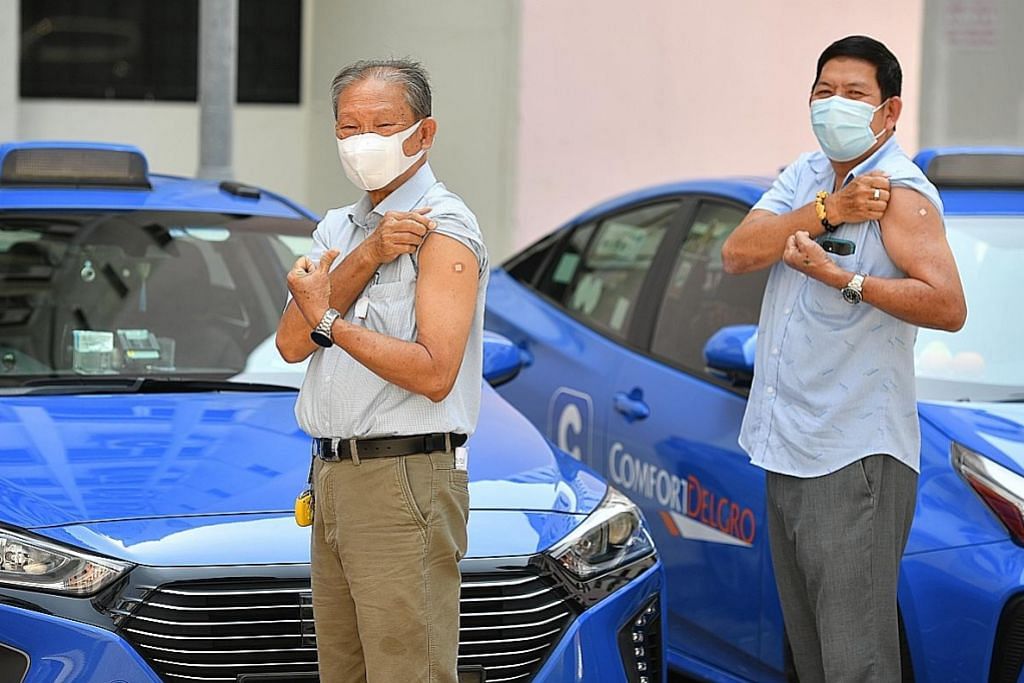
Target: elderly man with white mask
x,y
392,391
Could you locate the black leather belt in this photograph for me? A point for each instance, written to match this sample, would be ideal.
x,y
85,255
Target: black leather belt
x,y
385,447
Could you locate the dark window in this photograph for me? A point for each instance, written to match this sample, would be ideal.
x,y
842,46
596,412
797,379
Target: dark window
x,y
135,50
561,270
525,265
700,298
269,50
599,279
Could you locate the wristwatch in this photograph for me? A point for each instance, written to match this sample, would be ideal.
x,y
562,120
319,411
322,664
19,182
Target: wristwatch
x,y
321,334
853,292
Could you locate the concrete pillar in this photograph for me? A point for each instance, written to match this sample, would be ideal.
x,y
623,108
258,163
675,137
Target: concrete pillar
x,y
218,49
971,73
10,27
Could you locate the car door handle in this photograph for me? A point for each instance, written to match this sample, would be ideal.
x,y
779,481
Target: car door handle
x,y
631,405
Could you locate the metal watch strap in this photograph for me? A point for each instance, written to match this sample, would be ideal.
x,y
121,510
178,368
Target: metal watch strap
x,y
853,292
322,333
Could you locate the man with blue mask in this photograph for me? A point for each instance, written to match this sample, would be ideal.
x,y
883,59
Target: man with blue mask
x,y
394,338
855,240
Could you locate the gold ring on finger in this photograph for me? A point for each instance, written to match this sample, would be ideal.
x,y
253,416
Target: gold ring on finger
x,y
877,194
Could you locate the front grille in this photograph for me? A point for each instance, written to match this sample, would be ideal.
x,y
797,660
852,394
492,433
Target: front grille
x,y
219,630
1008,653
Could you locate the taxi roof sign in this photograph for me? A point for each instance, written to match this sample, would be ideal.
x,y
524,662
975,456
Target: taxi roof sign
x,y
1001,167
72,164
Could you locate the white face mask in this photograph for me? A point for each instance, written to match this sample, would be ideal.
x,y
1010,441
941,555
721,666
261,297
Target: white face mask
x,y
371,161
843,127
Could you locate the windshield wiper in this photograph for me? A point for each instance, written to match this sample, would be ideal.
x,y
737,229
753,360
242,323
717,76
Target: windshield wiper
x,y
137,385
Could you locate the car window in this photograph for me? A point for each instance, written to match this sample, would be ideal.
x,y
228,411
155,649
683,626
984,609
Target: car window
x,y
142,292
525,265
599,278
561,271
981,362
699,296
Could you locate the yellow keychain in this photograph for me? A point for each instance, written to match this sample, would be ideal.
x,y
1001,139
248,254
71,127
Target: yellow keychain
x,y
304,508
304,502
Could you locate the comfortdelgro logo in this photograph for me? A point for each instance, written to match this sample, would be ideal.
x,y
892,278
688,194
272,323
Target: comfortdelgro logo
x,y
688,509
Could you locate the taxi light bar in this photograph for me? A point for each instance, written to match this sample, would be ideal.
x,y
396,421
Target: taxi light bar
x,y
976,169
74,167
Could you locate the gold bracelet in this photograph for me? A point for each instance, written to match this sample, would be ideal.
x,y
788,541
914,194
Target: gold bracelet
x,y
819,204
819,207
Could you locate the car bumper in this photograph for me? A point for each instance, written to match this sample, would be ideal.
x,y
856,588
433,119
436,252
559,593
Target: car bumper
x,y
591,649
953,623
595,646
62,650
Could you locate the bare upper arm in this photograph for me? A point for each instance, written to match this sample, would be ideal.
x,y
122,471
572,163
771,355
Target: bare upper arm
x,y
446,293
915,239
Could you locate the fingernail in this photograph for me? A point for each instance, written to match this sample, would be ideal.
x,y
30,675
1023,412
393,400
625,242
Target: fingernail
x,y
433,225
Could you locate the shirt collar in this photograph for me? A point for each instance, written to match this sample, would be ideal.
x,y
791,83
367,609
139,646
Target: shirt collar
x,y
822,167
404,198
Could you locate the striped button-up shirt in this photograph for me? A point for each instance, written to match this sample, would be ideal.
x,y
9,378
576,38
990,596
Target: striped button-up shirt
x,y
833,382
340,397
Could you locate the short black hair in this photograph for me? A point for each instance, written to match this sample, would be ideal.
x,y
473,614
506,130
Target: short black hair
x,y
887,68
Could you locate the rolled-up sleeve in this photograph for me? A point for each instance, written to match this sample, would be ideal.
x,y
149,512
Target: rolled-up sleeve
x,y
464,230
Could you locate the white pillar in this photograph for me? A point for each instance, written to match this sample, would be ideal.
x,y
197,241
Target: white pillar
x,y
218,41
10,26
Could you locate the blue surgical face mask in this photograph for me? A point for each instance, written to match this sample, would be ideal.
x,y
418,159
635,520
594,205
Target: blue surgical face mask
x,y
843,127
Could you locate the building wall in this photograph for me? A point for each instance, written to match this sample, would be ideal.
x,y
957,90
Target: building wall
x,y
613,99
265,136
973,66
544,106
470,49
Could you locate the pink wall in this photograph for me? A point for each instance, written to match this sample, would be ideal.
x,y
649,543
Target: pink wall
x,y
616,95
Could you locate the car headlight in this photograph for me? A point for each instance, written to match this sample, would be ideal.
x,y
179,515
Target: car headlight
x,y
32,563
1000,488
607,550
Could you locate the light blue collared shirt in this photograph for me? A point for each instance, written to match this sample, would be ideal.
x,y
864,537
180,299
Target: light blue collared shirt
x,y
340,397
833,382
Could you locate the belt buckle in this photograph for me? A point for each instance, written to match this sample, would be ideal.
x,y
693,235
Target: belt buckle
x,y
331,454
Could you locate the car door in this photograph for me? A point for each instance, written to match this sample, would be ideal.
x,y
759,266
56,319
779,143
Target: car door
x,y
672,447
572,315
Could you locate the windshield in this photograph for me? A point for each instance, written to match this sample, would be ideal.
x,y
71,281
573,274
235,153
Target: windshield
x,y
187,295
981,362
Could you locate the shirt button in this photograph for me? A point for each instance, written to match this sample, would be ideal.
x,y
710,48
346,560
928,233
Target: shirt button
x,y
787,311
770,390
775,351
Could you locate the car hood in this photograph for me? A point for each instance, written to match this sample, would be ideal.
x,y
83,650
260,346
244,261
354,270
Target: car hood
x,y
995,430
275,538
68,460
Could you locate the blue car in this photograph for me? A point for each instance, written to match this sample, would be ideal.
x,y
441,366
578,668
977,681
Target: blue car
x,y
150,459
638,353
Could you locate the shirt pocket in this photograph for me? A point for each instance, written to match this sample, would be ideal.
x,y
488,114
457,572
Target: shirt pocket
x,y
826,303
392,309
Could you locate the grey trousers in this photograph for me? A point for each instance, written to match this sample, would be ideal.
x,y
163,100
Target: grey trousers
x,y
836,543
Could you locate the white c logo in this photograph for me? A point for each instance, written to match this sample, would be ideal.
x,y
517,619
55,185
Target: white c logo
x,y
571,418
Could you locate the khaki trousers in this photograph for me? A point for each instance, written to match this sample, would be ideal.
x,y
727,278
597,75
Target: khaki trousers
x,y
388,535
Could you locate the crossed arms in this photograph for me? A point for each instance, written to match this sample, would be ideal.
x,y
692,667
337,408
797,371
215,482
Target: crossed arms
x,y
930,295
445,304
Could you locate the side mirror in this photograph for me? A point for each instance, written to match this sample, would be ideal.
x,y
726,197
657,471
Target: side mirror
x,y
502,359
729,354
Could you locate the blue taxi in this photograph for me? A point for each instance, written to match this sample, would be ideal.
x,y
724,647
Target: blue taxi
x,y
638,351
149,456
